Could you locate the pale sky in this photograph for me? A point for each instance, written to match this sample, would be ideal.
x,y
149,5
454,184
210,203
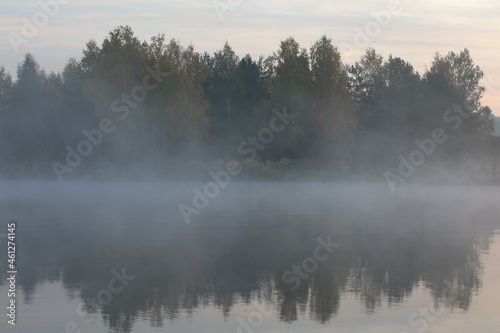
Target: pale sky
x,y
414,33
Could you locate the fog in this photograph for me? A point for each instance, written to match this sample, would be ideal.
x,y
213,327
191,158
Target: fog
x,y
131,110
152,186
159,201
242,247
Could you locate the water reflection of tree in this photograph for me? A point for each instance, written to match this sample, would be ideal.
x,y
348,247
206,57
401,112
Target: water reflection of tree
x,y
179,270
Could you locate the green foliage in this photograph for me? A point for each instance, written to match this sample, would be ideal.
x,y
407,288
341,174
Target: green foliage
x,y
351,120
331,114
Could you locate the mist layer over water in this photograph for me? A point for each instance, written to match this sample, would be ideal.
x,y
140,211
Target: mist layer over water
x,y
260,257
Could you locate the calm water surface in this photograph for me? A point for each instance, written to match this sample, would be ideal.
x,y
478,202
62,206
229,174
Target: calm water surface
x,y
268,257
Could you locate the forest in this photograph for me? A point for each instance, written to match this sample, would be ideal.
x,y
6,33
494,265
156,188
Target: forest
x,y
159,110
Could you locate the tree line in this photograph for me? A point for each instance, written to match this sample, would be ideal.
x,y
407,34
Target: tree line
x,y
169,110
